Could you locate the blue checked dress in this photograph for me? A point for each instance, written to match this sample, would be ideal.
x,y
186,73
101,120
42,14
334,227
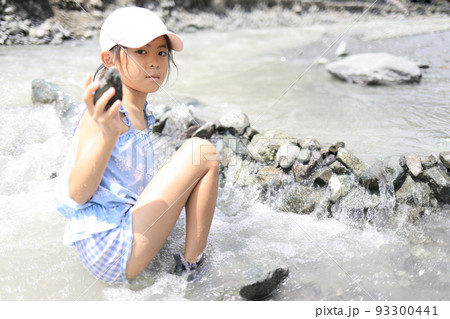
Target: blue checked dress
x,y
102,227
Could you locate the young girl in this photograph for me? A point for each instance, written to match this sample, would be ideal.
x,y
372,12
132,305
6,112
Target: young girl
x,y
119,214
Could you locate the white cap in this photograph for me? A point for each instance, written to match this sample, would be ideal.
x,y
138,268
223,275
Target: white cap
x,y
134,27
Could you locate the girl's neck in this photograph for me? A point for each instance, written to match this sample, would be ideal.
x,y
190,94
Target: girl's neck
x,y
133,101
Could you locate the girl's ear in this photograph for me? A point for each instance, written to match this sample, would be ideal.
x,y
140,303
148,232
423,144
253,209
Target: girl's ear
x,y
107,59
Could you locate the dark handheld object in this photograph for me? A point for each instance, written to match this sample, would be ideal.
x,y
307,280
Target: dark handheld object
x,y
263,289
110,79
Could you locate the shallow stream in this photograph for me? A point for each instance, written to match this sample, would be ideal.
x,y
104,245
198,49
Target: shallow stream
x,y
245,70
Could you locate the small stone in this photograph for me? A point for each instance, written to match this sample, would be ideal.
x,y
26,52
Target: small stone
x,y
309,143
429,161
440,182
205,131
304,156
235,122
338,168
414,165
340,186
445,159
287,154
322,176
270,176
351,161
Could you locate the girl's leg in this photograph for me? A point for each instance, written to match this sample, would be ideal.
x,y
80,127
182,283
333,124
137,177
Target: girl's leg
x,y
189,179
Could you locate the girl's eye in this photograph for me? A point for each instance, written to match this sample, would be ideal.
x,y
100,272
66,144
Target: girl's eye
x,y
162,53
141,52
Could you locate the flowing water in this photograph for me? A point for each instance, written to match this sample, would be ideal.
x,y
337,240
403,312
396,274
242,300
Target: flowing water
x,y
247,70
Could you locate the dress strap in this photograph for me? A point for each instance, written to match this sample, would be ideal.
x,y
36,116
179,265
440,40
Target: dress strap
x,y
150,118
126,118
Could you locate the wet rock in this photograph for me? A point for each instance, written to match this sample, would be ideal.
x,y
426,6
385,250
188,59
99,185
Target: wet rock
x,y
263,289
299,199
360,199
309,143
158,110
414,165
235,122
429,161
301,171
375,69
270,176
264,146
339,186
414,193
370,179
338,168
392,170
249,133
351,161
321,177
440,183
244,173
445,159
335,148
177,120
47,93
205,131
287,154
304,156
189,132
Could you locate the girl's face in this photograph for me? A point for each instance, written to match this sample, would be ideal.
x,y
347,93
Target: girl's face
x,y
144,69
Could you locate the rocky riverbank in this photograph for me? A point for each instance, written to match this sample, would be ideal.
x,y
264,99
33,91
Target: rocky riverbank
x,y
54,21
304,175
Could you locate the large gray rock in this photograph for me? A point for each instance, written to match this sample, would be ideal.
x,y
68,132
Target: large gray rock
x,y
375,69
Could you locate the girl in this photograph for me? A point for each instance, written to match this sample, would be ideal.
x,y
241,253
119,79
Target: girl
x,y
119,214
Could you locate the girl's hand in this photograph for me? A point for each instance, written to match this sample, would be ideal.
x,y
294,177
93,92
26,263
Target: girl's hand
x,y
109,121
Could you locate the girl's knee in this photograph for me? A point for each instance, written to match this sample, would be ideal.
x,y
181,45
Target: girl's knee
x,y
203,152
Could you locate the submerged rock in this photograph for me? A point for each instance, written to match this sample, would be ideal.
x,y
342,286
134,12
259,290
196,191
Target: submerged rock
x,y
47,93
414,193
299,199
263,289
375,69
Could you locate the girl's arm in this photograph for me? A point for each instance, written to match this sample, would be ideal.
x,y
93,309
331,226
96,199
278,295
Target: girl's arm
x,y
99,131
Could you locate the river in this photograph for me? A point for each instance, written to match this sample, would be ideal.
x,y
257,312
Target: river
x,y
245,70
